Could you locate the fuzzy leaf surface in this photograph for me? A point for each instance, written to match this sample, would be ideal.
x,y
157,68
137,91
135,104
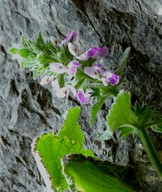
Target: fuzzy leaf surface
x,y
121,115
123,61
52,148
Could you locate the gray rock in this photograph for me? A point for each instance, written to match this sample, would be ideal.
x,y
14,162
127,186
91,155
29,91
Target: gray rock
x,y
28,109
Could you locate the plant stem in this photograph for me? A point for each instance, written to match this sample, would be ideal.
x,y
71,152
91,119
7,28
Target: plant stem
x,y
150,150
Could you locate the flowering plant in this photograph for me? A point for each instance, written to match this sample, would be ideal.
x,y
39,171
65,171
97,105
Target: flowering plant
x,y
68,70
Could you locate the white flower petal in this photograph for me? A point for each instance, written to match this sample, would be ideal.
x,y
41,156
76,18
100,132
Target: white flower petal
x,y
73,49
46,79
58,68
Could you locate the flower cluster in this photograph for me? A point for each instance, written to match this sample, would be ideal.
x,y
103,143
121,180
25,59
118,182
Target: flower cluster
x,y
76,67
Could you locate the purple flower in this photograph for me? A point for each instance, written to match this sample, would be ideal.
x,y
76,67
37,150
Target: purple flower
x,y
72,67
106,77
82,97
99,67
95,71
94,52
114,79
91,53
59,68
72,36
103,51
110,77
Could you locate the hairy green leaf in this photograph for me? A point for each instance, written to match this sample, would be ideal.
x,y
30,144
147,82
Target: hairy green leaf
x,y
36,55
40,40
52,148
123,61
121,115
96,107
24,53
14,50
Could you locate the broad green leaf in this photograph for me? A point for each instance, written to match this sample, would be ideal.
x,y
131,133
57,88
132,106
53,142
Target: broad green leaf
x,y
106,135
121,115
51,149
24,53
123,61
71,127
14,51
96,107
88,178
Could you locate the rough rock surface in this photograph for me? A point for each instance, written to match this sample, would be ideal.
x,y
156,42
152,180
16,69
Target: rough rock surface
x,y
28,109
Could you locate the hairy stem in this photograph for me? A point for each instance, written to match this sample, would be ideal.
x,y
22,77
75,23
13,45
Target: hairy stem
x,y
150,150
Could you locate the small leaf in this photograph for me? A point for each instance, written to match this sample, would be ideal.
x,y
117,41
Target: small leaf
x,y
96,107
95,92
121,115
61,81
24,53
71,128
40,39
81,81
123,61
84,84
43,59
14,50
23,41
157,128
